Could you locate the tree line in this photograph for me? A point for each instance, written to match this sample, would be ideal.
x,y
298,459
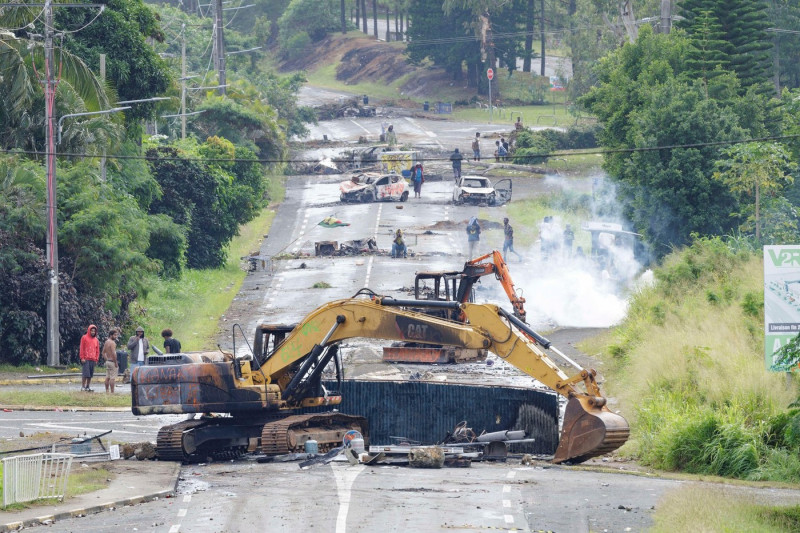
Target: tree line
x,y
135,199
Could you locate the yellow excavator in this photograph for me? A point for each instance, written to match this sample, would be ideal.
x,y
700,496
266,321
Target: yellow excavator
x,y
250,403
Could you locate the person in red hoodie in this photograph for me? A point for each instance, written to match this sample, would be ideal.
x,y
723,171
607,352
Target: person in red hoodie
x,y
89,354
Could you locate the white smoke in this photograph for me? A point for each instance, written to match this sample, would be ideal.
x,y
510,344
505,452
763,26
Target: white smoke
x,y
565,288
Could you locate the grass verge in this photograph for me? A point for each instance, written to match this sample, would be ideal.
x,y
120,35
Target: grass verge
x,y
175,304
57,399
700,508
80,481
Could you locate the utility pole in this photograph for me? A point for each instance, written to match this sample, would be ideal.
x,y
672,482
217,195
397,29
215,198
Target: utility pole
x,y
53,334
666,16
51,238
219,45
103,159
541,34
183,81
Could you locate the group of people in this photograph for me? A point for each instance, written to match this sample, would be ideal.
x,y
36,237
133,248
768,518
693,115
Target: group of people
x,y
138,345
552,238
500,153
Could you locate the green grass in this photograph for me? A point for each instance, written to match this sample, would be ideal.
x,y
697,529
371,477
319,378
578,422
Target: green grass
x,y
532,115
325,77
193,305
66,398
321,285
30,370
687,367
526,215
700,508
80,481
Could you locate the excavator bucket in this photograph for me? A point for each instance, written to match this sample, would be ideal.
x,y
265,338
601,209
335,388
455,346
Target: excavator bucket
x,y
589,431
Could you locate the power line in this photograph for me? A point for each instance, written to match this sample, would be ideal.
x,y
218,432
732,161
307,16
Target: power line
x,y
605,151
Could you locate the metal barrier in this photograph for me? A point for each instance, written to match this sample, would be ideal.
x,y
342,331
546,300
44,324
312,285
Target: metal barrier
x,y
33,477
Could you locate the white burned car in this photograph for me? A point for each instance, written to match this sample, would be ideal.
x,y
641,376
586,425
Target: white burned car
x,y
477,190
374,187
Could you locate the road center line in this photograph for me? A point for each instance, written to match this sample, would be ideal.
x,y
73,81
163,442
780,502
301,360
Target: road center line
x,y
182,512
344,476
360,126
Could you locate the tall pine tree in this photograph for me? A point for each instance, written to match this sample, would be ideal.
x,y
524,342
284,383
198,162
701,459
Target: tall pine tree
x,y
746,43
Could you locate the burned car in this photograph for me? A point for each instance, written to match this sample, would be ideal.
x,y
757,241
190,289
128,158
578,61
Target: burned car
x,y
374,187
477,190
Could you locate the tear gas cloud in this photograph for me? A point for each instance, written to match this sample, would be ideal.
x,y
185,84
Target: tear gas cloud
x,y
572,288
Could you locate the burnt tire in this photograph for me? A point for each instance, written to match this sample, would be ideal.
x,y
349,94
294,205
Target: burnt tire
x,y
540,426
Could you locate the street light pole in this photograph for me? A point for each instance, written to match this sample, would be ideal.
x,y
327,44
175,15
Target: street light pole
x,y
53,334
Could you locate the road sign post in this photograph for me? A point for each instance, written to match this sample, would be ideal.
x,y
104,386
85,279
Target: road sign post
x,y
490,75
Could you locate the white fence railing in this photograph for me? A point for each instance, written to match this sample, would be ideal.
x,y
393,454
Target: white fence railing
x,y
34,477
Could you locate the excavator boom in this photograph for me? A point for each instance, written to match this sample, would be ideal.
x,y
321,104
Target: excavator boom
x,y
286,377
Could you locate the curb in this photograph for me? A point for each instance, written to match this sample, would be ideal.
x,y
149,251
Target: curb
x,y
47,520
64,408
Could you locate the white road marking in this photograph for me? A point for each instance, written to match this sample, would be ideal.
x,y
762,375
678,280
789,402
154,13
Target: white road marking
x,y
507,503
369,270
84,428
360,126
187,498
175,528
511,475
344,475
508,518
506,489
426,132
182,512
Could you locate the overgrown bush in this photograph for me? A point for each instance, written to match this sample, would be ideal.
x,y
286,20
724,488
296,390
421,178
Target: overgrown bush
x,y
690,355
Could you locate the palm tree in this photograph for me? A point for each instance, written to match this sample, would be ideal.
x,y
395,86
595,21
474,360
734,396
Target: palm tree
x,y
22,107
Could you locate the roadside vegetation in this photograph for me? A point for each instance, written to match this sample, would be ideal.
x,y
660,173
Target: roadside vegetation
x,y
66,399
711,508
689,371
80,481
192,306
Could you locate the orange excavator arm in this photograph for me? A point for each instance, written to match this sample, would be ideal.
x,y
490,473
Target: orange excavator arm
x,y
478,267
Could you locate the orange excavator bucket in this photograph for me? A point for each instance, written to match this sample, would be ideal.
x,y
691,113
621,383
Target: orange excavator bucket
x,y
589,431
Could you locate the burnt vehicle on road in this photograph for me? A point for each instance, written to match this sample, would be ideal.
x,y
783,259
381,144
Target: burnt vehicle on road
x,y
374,187
477,190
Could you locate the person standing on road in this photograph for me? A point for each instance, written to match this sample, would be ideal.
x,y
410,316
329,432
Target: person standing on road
x,y
171,345
89,355
419,179
110,357
138,345
569,238
473,235
456,158
391,136
476,147
508,240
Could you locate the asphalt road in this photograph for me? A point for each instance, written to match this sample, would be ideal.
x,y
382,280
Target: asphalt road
x,y
244,496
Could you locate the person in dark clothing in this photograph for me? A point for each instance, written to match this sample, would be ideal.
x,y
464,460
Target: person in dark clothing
x,y
473,235
456,158
89,355
171,345
569,238
508,240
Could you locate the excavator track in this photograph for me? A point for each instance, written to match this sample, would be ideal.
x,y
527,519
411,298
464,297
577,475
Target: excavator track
x,y
289,434
169,443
